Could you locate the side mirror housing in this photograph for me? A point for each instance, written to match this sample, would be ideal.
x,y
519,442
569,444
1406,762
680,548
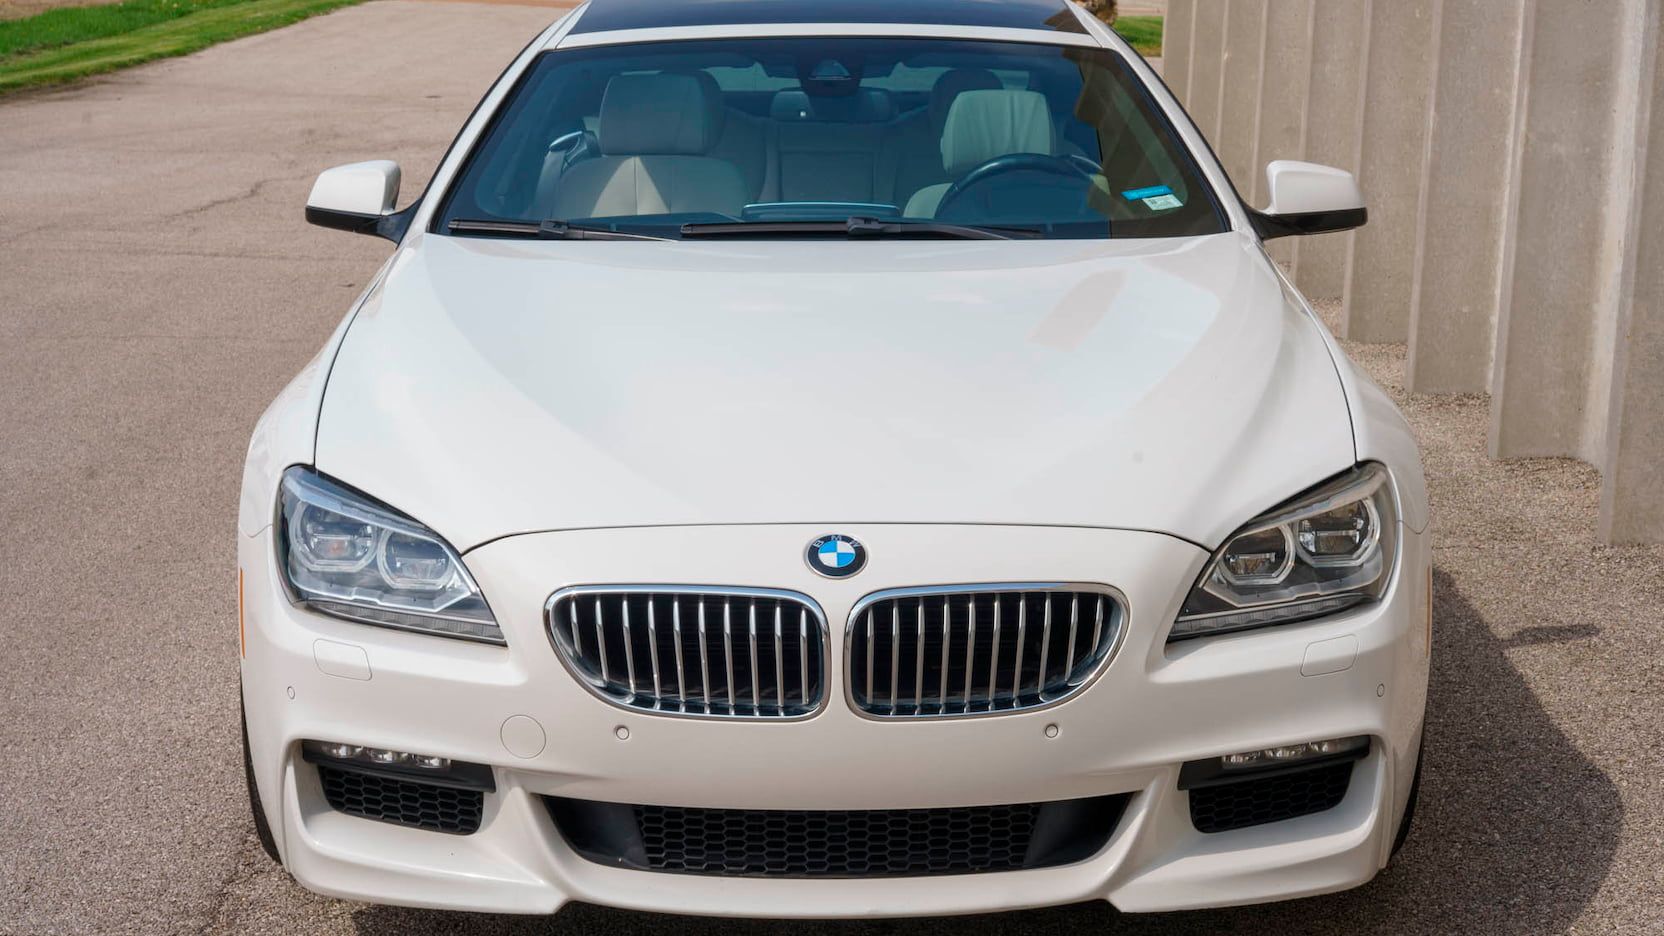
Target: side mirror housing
x,y
1310,199
359,197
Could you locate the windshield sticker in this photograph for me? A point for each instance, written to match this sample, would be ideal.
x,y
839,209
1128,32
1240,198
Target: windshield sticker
x,y
1144,194
1163,203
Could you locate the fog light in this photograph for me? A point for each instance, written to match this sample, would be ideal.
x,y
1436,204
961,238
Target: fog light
x,y
382,757
430,769
1248,766
1292,753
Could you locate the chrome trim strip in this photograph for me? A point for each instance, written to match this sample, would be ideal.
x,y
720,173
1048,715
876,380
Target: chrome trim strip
x,y
1118,618
807,606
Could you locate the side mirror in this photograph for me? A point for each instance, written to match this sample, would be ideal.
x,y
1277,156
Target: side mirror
x,y
1310,199
359,198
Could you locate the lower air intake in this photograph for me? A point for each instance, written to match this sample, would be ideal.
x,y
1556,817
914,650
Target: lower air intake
x,y
402,802
838,843
1247,803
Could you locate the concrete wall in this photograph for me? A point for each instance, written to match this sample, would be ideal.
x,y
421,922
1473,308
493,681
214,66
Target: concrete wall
x,y
1513,155
1334,126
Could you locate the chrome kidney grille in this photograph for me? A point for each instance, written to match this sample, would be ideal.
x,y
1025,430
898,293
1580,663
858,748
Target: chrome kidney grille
x,y
703,652
978,650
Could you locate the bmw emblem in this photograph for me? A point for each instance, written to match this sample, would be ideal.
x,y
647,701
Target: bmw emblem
x,y
836,556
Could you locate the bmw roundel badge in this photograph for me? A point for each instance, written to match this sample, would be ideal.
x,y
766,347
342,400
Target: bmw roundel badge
x,y
836,556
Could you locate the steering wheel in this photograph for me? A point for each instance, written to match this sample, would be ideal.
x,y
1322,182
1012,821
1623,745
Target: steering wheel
x,y
1073,167
578,146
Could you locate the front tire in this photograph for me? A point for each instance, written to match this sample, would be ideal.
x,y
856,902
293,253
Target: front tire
x,y
262,828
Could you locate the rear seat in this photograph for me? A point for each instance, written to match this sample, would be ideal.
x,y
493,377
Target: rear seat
x,y
831,148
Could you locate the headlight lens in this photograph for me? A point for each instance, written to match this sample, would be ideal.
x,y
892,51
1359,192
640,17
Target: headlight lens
x,y
1330,550
347,556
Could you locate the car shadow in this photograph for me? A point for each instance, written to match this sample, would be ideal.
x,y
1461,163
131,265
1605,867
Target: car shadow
x,y
1514,834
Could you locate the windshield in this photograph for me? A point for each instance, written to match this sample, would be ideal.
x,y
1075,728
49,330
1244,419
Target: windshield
x,y
797,135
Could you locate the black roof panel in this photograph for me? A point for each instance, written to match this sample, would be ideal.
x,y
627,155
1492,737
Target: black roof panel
x,y
608,15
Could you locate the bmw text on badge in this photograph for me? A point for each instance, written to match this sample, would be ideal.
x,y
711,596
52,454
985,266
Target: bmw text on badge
x,y
836,556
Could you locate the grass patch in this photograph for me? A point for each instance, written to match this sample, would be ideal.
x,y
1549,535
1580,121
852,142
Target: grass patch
x,y
1144,32
65,44
62,27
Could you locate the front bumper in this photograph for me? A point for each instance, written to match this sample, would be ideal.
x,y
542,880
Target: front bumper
x,y
520,711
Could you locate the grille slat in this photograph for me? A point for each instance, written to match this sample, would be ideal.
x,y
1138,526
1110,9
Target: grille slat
x,y
653,649
728,646
1045,646
947,644
918,677
1014,657
721,663
779,661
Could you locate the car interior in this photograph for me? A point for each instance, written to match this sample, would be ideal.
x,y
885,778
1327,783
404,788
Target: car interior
x,y
849,133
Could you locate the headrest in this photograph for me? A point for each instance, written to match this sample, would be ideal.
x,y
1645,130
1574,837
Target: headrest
x,y
951,85
868,105
656,115
984,124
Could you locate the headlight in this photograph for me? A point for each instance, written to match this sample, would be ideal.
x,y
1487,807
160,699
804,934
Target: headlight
x,y
347,556
1327,551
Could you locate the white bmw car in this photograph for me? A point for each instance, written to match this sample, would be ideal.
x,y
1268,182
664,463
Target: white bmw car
x,y
832,458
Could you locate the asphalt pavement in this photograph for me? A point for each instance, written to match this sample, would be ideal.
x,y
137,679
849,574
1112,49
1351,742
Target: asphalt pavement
x,y
158,286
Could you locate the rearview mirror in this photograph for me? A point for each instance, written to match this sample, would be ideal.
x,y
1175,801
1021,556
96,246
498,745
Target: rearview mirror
x,y
359,198
1309,199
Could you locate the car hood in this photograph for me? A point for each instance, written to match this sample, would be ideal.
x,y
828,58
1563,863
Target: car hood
x,y
491,387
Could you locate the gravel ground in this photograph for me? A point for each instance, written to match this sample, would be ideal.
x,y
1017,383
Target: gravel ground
x,y
160,287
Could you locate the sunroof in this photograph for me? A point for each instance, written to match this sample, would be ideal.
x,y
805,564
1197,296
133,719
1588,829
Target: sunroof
x,y
609,15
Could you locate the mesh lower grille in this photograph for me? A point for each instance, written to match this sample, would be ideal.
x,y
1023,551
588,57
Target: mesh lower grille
x,y
402,802
1272,799
933,841
839,843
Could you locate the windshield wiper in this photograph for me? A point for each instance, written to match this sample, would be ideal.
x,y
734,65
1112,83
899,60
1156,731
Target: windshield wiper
x,y
857,228
548,230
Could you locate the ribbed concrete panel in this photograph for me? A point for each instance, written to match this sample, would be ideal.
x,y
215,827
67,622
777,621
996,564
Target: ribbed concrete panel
x,y
1380,269
1239,109
1333,118
1285,82
1177,32
1632,495
1468,200
1552,372
1207,65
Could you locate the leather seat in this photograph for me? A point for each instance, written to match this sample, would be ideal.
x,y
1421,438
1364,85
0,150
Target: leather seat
x,y
655,134
984,125
915,147
829,148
